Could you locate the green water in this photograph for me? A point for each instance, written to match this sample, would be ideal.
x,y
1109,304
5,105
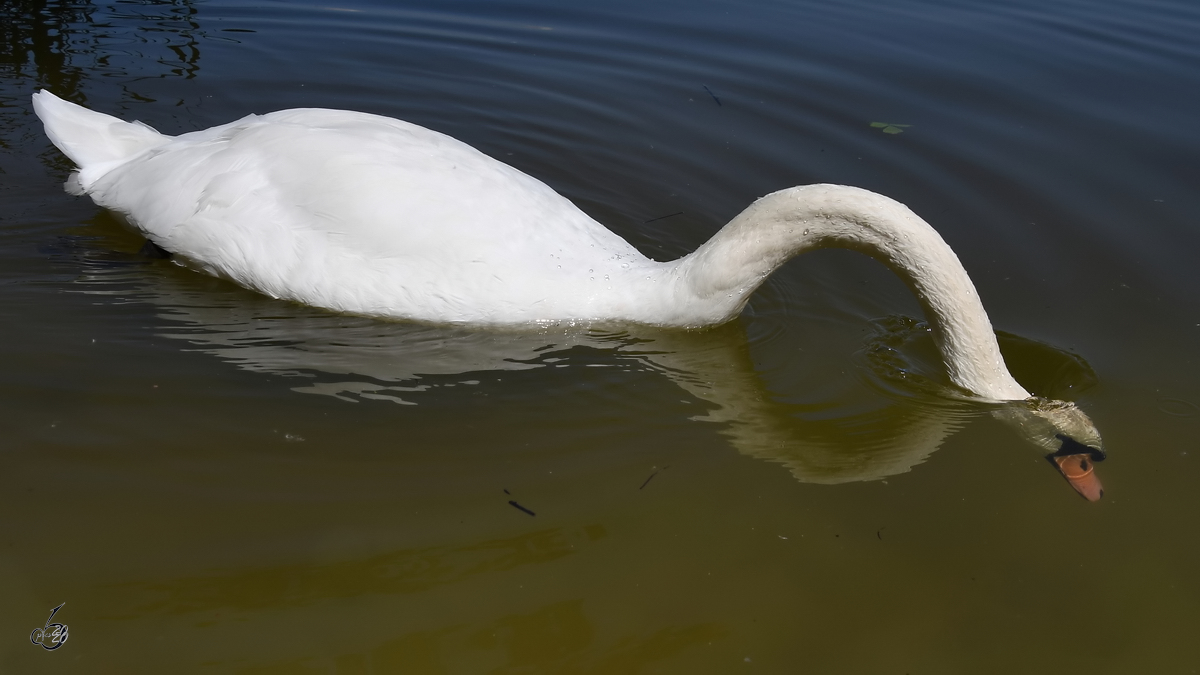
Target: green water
x,y
217,482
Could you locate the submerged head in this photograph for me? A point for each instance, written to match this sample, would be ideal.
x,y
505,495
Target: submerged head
x,y
1069,438
1076,462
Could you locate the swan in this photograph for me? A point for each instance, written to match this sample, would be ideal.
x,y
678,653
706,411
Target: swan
x,y
369,215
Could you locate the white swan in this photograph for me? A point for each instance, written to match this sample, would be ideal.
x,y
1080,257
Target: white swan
x,y
369,215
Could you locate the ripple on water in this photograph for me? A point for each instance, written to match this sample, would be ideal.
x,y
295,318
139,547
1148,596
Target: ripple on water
x,y
1177,407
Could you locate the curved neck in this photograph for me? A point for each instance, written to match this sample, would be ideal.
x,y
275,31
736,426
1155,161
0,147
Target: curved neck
x,y
722,273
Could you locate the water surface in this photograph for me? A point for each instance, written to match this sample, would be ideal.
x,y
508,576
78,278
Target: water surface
x,y
218,482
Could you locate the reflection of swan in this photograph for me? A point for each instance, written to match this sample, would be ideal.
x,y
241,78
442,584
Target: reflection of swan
x,y
864,437
369,215
354,358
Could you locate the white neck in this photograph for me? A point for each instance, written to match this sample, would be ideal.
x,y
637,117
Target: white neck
x,y
716,280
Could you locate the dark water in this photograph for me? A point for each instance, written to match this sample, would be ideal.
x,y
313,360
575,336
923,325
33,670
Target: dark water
x,y
217,482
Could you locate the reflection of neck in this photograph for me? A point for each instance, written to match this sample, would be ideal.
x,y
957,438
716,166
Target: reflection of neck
x,y
717,279
868,441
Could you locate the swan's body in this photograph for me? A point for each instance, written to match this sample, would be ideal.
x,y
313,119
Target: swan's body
x,y
369,215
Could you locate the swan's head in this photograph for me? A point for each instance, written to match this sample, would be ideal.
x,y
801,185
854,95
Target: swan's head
x,y
1076,462
1070,440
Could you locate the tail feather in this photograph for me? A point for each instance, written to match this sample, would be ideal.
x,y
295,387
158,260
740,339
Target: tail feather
x,y
91,138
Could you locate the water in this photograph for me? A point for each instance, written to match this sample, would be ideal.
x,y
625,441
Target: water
x,y
214,481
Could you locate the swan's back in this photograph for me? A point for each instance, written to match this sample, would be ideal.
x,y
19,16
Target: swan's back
x,y
364,214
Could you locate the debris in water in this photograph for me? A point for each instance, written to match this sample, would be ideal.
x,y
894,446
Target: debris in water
x,y
522,508
890,127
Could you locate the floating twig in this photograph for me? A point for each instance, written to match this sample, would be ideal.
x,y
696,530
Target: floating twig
x,y
714,96
521,508
652,476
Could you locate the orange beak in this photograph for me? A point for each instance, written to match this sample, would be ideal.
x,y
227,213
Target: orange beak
x,y
1079,470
